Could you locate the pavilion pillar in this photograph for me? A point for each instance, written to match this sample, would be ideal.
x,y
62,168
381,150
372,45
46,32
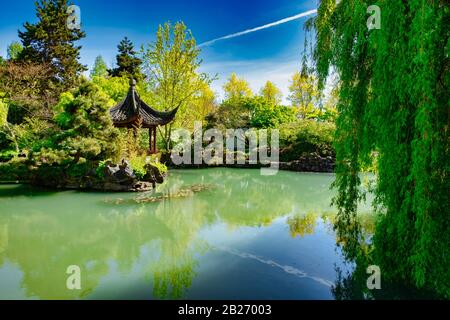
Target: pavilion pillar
x,y
150,143
154,140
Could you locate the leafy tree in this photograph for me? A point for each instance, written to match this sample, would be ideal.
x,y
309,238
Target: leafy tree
x,y
249,112
306,137
171,64
231,114
271,93
100,68
14,50
51,42
304,94
394,100
116,88
3,112
128,64
236,88
25,88
203,103
87,130
268,115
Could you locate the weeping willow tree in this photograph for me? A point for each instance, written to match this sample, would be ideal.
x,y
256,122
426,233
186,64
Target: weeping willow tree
x,y
393,103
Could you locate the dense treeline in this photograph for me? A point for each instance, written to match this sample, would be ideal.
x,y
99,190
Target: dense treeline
x,y
46,101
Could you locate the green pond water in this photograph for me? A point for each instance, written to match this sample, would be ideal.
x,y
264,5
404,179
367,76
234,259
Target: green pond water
x,y
204,234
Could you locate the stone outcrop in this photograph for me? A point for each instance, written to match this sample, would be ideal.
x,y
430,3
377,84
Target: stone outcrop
x,y
153,174
310,163
114,177
122,178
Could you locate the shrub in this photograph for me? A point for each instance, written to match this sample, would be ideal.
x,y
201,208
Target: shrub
x,y
305,137
249,112
138,164
14,170
84,137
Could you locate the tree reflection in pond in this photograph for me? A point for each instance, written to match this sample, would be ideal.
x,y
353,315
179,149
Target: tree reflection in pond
x,y
150,247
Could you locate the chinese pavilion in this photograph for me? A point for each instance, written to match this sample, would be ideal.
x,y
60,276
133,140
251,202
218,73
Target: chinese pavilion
x,y
133,113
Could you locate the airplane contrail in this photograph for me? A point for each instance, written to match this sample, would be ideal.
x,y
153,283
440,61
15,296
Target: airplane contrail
x,y
270,25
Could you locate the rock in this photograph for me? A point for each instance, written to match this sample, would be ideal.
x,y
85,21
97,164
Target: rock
x,y
153,174
120,174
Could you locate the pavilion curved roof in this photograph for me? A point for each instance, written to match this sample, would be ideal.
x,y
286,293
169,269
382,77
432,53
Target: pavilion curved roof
x,y
132,108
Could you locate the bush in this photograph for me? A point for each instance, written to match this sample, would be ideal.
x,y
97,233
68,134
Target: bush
x,y
85,136
138,164
266,115
305,137
249,112
14,170
7,155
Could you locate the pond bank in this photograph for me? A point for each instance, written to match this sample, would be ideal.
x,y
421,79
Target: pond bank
x,y
310,163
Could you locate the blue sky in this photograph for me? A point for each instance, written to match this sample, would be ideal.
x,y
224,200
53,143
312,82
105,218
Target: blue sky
x,y
270,54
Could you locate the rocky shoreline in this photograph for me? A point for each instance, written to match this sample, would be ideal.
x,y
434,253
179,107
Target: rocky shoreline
x,y
309,163
114,178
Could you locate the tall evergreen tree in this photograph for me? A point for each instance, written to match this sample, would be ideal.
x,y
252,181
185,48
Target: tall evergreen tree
x,y
100,69
50,41
128,64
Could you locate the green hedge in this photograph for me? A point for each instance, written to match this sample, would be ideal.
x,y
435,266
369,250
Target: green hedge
x,y
306,137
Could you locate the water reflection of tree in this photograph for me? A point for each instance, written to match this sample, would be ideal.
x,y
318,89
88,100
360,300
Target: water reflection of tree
x,y
301,225
43,242
354,238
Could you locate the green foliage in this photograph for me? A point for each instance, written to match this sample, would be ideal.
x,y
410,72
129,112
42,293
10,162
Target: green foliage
x,y
394,99
161,166
34,134
100,69
14,50
236,88
139,162
7,155
85,136
171,65
115,87
202,104
50,41
3,112
249,112
304,95
27,89
271,93
99,171
14,170
231,114
128,64
304,137
267,115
